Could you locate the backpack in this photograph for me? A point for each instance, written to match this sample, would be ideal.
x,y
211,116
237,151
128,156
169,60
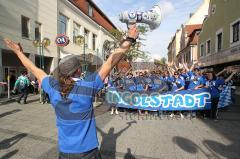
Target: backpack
x,y
22,83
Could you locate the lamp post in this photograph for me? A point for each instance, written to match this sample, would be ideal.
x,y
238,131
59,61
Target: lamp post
x,y
41,44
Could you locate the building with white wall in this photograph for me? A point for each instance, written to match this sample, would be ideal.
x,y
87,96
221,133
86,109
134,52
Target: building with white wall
x,y
186,37
29,20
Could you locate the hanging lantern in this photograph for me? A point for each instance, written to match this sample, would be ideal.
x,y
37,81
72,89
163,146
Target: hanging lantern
x,y
79,40
36,43
46,42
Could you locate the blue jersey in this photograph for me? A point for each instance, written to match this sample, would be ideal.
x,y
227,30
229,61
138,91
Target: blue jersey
x,y
213,86
178,83
158,83
190,74
149,82
129,84
196,81
169,79
185,76
140,83
74,115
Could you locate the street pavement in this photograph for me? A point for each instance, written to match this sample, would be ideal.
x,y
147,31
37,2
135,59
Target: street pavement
x,y
28,132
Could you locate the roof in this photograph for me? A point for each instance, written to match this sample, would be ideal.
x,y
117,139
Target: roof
x,y
189,29
78,4
101,12
193,38
192,32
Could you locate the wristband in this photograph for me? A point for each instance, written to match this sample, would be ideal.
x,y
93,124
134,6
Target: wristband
x,y
131,40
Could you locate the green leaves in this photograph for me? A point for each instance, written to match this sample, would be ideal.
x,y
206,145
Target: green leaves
x,y
135,52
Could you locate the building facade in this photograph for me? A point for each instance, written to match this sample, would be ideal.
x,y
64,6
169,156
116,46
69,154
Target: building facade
x,y
219,40
189,47
186,37
31,20
171,48
25,22
83,17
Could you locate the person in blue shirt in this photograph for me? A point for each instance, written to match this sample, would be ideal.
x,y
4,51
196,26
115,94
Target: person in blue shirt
x,y
197,80
213,83
141,87
178,82
140,84
129,82
148,80
178,85
185,76
72,99
168,79
112,84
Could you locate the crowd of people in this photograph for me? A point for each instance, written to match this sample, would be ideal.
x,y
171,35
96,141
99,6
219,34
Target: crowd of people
x,y
175,79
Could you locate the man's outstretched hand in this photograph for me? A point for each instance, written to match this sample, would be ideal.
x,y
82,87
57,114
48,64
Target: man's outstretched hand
x,y
13,46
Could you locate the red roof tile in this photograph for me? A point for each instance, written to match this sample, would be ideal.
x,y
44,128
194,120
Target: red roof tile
x,y
189,29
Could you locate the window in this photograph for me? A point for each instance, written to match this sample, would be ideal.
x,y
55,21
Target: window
x,y
219,42
86,35
202,50
76,31
235,28
188,57
90,10
37,31
94,41
185,58
208,45
25,27
63,24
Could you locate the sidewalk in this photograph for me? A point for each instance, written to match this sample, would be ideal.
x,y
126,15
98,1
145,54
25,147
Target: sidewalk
x,y
5,100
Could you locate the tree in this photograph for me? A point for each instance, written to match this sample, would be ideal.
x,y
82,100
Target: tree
x,y
134,52
161,61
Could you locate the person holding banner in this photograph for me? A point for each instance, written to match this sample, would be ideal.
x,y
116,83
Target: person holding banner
x,y
149,81
213,84
178,85
113,82
129,82
140,84
197,81
73,100
141,87
158,83
168,79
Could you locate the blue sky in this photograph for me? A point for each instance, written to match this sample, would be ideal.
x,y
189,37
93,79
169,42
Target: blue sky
x,y
157,41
